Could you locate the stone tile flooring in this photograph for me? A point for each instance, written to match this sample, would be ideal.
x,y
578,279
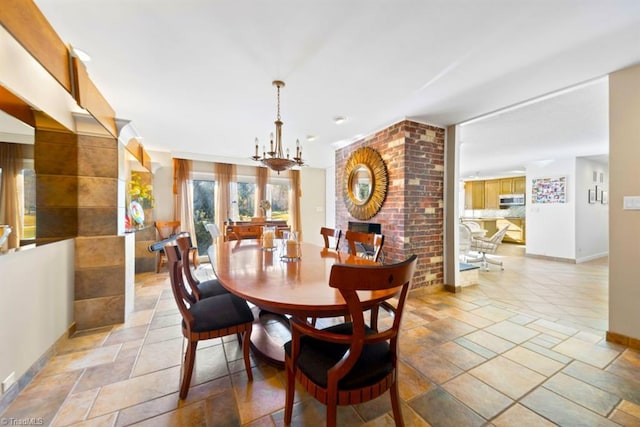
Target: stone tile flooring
x,y
523,348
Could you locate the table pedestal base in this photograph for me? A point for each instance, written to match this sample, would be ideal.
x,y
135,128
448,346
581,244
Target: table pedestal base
x,y
268,335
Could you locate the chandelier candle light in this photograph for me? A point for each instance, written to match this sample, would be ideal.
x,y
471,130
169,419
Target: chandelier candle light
x,y
274,158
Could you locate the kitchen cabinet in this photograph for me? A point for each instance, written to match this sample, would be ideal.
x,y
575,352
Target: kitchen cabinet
x,y
506,186
519,185
486,194
474,195
492,193
516,230
515,185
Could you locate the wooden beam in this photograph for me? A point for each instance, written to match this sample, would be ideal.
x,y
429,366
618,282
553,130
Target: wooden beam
x,y
16,107
89,97
26,23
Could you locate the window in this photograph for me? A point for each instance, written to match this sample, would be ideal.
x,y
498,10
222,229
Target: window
x,y
246,199
203,212
243,194
278,196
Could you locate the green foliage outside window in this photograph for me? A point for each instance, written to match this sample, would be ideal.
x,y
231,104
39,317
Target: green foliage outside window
x,y
203,212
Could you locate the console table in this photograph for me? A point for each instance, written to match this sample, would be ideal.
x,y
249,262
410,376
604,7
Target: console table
x,y
240,230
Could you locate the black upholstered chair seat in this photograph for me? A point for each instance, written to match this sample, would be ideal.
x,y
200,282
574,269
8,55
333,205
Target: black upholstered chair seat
x,y
219,312
317,357
211,288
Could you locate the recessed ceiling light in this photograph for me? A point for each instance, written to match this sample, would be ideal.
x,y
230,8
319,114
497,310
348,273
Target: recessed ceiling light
x,y
311,138
339,120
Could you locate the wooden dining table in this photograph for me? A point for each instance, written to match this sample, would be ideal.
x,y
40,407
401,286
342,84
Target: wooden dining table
x,y
279,288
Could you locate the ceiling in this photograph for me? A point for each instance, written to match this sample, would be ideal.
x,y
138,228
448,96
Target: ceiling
x,y
195,76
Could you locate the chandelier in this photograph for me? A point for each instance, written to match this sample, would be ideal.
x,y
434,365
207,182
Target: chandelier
x,y
274,158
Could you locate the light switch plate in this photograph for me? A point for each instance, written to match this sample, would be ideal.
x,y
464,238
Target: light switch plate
x,y
631,203
8,382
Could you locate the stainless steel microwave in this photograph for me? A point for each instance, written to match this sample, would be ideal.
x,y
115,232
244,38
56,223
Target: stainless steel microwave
x,y
508,200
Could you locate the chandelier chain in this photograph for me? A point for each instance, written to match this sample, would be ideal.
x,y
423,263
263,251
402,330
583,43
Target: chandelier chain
x,y
278,114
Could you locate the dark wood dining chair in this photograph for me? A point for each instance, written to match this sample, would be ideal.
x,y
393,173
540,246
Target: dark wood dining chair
x,y
350,363
165,230
331,233
199,290
213,317
368,245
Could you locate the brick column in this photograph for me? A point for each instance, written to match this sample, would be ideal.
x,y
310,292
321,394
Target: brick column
x,y
412,215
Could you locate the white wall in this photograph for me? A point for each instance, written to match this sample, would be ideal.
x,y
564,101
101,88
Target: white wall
x,y
550,227
36,302
592,219
330,185
163,194
313,204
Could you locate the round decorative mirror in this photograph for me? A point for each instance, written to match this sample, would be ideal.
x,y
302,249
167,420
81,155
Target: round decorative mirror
x,y
361,184
365,183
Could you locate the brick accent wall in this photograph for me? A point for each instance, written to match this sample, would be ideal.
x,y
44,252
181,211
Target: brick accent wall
x,y
412,215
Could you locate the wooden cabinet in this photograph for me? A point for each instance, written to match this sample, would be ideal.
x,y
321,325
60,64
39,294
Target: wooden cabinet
x,y
516,230
486,194
468,195
519,185
516,185
474,195
478,195
252,230
491,194
506,186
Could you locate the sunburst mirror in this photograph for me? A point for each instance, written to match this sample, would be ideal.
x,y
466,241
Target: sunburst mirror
x,y
364,183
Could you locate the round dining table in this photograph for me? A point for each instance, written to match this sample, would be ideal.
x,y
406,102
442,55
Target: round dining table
x,y
279,287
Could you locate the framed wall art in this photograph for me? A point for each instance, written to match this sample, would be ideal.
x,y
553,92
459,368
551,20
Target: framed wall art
x,y
549,190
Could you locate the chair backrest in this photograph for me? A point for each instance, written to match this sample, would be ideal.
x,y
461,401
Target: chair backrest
x,y
185,247
473,226
180,294
499,235
166,229
369,243
333,233
489,245
465,238
349,279
213,230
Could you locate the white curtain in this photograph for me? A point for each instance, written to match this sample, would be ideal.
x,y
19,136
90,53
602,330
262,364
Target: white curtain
x,y
225,174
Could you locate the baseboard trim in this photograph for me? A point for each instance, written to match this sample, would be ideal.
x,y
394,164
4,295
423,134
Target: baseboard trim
x,y
551,258
592,257
623,340
10,395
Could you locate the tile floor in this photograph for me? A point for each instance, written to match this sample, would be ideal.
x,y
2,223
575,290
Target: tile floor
x,y
523,348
